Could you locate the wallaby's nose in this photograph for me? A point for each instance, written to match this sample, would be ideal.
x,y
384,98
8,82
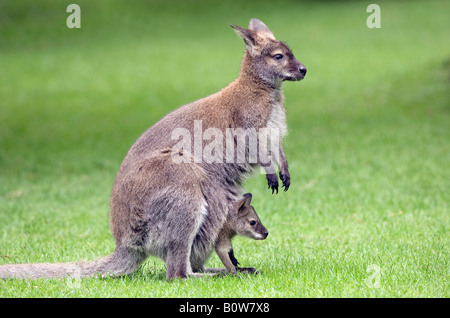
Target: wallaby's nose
x,y
302,70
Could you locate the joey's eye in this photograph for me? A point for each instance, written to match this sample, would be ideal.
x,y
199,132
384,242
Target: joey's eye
x,y
278,56
252,222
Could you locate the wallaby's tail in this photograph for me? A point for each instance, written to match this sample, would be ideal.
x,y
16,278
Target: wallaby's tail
x,y
119,263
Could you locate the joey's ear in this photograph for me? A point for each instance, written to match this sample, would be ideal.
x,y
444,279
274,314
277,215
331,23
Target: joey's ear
x,y
249,38
246,200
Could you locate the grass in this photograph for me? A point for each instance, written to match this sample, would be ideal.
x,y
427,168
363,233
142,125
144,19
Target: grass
x,y
368,142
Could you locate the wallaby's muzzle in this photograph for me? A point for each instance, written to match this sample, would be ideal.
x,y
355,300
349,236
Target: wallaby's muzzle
x,y
302,70
261,234
298,73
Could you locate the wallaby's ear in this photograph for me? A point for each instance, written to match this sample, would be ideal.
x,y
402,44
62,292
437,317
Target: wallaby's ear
x,y
249,38
246,200
260,28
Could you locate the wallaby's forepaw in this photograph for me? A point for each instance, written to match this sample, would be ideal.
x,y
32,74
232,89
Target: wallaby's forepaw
x,y
272,181
286,179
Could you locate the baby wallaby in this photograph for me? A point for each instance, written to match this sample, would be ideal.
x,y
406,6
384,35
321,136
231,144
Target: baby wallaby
x,y
242,220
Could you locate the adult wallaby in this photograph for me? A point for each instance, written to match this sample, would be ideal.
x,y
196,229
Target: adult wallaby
x,y
252,103
194,199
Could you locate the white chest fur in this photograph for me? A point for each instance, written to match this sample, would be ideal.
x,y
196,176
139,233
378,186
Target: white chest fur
x,y
277,119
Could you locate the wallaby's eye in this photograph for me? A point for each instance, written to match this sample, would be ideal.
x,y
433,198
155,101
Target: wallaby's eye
x,y
252,222
278,56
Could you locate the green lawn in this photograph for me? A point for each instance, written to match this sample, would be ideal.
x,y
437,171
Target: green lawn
x,y
367,212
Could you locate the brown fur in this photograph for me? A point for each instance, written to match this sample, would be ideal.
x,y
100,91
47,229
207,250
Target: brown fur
x,y
177,210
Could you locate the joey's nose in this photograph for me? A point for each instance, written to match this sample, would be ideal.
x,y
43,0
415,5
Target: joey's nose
x,y
302,70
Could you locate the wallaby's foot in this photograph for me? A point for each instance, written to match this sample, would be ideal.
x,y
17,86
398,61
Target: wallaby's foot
x,y
286,179
249,270
272,181
220,271
212,273
170,277
224,271
205,275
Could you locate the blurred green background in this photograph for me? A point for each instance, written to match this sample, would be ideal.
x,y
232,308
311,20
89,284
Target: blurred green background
x,y
368,143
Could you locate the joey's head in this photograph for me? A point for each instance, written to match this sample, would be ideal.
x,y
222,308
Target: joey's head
x,y
245,221
270,59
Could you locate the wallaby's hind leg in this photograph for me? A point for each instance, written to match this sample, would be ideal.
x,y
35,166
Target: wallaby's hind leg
x,y
175,217
177,262
181,238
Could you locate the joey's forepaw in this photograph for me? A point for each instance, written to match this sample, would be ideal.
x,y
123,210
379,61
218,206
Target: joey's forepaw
x,y
233,259
272,181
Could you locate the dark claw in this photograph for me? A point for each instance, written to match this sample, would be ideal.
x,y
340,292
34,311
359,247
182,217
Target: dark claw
x,y
272,181
285,178
273,187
